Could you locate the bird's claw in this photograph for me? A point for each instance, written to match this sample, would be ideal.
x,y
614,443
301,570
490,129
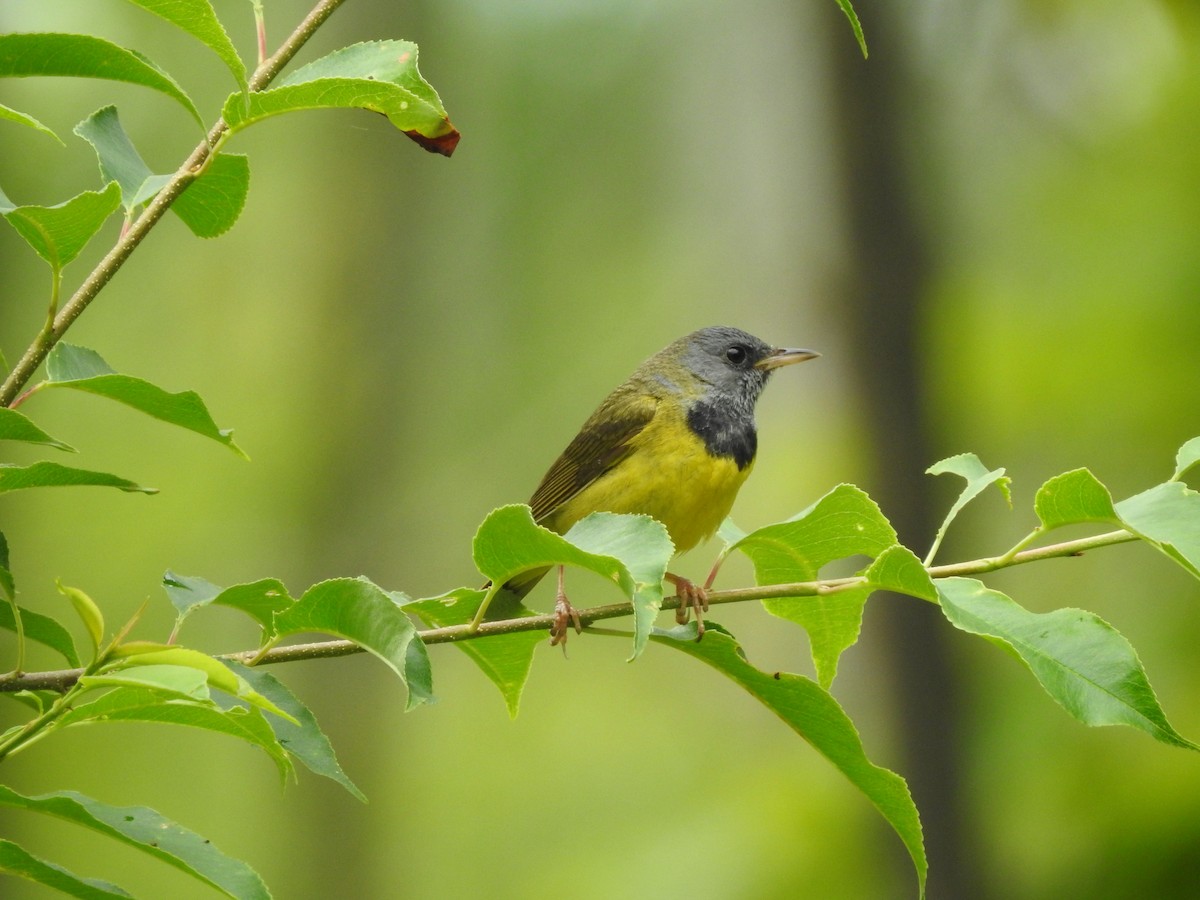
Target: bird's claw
x,y
692,598
565,615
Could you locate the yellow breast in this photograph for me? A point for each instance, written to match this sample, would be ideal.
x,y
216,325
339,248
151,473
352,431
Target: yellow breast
x,y
669,475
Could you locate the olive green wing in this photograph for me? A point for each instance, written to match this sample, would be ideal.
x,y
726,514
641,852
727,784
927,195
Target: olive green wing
x,y
604,441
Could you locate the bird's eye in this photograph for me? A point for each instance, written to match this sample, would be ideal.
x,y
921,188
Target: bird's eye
x,y
736,355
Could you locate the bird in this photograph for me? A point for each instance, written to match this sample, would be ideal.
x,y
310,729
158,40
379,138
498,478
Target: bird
x,y
675,441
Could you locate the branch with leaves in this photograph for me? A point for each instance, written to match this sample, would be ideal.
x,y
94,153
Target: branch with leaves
x,y
1082,662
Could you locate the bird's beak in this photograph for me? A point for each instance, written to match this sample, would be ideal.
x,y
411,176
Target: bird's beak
x,y
784,356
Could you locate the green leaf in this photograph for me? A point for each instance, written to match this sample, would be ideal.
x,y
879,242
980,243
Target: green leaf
x,y
119,159
845,522
505,659
815,715
36,701
213,202
303,737
84,56
21,118
1084,663
82,369
58,233
141,704
1073,497
977,476
1188,456
261,600
43,629
855,25
147,831
356,609
380,76
9,610
219,676
631,551
188,592
184,681
48,474
898,569
16,860
198,19
88,612
7,586
16,427
1168,516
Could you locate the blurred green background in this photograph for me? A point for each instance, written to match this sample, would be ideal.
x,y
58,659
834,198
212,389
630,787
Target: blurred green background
x,y
991,229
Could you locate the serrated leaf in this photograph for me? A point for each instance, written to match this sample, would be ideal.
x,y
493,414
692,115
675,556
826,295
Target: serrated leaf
x,y
198,19
855,25
898,569
380,76
1084,663
16,427
21,118
1168,516
302,738
58,233
16,860
89,613
85,56
1073,497
48,474
43,629
845,522
816,716
631,551
148,831
137,704
356,609
81,369
214,201
505,659
1188,456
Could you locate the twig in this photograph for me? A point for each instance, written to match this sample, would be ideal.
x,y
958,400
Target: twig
x,y
131,237
62,679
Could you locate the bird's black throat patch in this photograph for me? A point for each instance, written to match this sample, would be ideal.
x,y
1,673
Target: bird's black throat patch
x,y
725,432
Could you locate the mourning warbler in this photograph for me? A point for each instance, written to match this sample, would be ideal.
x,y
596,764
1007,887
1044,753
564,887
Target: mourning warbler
x,y
675,441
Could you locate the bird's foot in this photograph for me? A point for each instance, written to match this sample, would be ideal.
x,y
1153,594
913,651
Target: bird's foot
x,y
692,598
565,615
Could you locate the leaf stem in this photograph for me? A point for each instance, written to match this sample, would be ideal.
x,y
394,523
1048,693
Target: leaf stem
x,y
129,239
63,679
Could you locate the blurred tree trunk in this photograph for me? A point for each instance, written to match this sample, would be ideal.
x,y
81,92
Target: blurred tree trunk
x,y
882,310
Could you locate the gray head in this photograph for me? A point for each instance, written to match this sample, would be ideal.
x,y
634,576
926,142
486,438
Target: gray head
x,y
721,371
731,365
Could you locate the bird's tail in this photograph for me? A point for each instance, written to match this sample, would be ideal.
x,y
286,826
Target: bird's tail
x,y
507,602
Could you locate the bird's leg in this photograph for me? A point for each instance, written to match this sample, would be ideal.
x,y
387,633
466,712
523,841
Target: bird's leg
x,y
692,597
564,615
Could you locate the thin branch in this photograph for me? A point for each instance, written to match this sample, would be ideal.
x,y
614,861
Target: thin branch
x,y
131,237
62,679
